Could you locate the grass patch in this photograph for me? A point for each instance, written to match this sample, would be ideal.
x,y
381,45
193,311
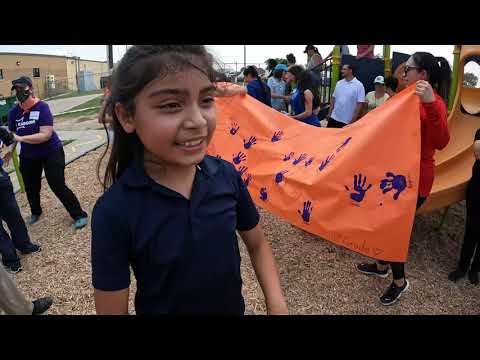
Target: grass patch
x,y
76,94
66,142
90,103
89,112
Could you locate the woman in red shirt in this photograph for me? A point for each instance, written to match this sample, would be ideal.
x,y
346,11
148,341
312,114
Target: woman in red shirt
x,y
432,76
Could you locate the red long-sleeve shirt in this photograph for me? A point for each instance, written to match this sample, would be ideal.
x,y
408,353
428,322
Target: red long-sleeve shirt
x,y
435,136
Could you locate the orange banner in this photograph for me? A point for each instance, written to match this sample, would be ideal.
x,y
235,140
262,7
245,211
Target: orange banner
x,y
356,187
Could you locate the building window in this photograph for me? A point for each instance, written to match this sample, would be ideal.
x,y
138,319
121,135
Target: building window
x,y
1,74
36,72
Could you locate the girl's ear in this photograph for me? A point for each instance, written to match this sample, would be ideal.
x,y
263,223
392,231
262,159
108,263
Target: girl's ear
x,y
125,119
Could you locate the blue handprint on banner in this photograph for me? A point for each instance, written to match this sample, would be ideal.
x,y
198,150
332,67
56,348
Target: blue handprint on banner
x,y
277,136
247,180
309,161
234,128
242,170
263,194
288,156
359,188
252,141
344,144
393,182
307,211
300,159
325,162
280,176
237,159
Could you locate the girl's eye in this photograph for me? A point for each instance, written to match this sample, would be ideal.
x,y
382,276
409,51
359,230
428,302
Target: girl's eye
x,y
170,106
209,100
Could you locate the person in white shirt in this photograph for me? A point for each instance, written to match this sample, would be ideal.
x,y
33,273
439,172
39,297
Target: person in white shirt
x,y
347,100
376,98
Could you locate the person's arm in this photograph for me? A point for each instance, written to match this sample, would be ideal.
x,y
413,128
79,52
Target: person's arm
x,y
332,105
308,106
43,136
360,102
111,302
370,48
263,263
227,90
436,115
358,111
110,260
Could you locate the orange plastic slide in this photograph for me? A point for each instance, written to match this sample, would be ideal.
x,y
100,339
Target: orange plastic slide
x,y
454,163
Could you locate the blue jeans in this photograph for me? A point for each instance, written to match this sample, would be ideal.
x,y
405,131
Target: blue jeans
x,y
10,213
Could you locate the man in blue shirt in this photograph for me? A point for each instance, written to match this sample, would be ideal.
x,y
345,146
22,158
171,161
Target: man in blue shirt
x,y
255,87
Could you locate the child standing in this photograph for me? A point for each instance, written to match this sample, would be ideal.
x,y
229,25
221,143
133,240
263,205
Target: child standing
x,y
171,212
471,242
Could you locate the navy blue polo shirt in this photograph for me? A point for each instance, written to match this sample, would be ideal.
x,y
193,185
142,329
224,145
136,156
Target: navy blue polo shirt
x,y
184,253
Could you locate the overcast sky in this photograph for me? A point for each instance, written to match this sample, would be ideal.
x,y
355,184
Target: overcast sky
x,y
225,53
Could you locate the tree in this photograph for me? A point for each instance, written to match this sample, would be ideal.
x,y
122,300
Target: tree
x,y
470,80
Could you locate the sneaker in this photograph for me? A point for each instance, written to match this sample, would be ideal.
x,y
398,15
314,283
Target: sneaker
x,y
372,269
32,249
456,275
80,223
41,305
394,293
33,219
473,277
14,267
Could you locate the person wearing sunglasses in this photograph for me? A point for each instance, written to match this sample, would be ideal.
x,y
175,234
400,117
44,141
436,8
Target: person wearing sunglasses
x,y
432,77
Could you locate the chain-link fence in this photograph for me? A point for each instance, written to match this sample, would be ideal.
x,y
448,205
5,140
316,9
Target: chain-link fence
x,y
84,81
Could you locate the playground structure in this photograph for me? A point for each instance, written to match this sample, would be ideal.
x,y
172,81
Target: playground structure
x,y
454,163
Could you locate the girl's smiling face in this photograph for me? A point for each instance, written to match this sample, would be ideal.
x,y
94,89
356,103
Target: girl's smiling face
x,y
175,117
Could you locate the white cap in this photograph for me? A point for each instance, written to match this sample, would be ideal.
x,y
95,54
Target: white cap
x,y
379,80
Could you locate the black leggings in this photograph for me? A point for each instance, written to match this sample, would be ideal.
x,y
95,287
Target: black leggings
x,y
54,166
471,241
398,269
334,124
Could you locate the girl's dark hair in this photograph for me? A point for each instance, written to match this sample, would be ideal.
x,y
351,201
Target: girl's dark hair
x,y
251,70
278,74
140,65
392,83
291,59
305,82
271,63
438,72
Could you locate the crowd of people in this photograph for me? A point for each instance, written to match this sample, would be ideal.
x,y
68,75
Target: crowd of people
x,y
169,211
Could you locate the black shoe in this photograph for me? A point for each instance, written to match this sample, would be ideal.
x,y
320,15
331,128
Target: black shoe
x,y
31,249
372,269
33,219
41,305
13,267
456,275
394,293
473,277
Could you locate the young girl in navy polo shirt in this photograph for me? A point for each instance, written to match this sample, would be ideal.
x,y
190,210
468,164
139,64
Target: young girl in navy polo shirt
x,y
171,212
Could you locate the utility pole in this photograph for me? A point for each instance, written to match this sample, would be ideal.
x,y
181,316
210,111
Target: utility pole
x,y
110,56
245,56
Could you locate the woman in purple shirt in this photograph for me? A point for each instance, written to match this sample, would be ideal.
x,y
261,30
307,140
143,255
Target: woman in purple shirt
x,y
42,150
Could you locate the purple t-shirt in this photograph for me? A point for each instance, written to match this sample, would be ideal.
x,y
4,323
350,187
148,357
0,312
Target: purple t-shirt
x,y
29,124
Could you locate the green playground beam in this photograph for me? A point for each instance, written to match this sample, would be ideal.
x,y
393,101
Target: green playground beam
x,y
387,59
336,62
17,170
455,75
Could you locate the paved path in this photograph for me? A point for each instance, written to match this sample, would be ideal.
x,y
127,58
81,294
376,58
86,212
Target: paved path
x,y
61,105
84,142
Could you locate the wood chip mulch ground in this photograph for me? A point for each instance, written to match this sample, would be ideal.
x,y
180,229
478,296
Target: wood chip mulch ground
x,y
317,276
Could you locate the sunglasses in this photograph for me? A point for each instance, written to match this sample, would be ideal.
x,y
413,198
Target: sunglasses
x,y
408,68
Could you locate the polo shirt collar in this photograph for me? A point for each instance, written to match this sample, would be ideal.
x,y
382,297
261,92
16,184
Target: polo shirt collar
x,y
136,177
